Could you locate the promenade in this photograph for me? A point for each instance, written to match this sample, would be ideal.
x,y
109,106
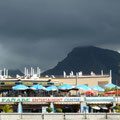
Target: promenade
x,y
60,116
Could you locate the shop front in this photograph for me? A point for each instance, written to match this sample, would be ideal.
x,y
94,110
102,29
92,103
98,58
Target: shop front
x,y
67,107
37,107
39,104
67,104
100,104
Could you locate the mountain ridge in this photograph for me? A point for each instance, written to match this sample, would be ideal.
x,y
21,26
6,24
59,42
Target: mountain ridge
x,y
87,59
13,72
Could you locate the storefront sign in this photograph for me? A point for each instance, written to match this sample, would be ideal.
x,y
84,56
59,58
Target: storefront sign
x,y
40,99
72,99
15,100
55,99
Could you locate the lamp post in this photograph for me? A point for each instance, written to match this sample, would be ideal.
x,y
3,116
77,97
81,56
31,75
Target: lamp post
x,y
76,83
117,91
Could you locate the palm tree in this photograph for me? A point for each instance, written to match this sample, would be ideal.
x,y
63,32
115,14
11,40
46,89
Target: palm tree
x,y
7,109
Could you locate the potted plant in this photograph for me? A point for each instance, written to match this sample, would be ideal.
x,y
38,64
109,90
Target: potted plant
x,y
117,108
59,110
49,109
7,109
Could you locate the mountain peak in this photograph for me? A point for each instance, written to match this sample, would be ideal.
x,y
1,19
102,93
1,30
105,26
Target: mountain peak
x,y
90,47
87,59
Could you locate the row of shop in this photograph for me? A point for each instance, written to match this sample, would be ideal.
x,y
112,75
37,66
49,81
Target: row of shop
x,y
69,107
67,104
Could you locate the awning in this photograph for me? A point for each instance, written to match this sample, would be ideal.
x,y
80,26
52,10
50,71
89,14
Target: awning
x,y
104,107
6,103
68,103
99,102
96,107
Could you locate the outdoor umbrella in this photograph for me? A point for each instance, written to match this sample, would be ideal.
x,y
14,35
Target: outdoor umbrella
x,y
38,87
112,92
104,107
51,88
110,85
98,88
96,107
66,87
83,87
105,95
20,87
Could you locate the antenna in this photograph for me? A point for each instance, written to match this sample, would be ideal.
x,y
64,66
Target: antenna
x,y
110,76
64,74
7,73
4,72
0,72
31,71
25,72
39,72
102,72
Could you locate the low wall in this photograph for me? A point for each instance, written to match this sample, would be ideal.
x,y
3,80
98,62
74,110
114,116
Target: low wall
x,y
59,116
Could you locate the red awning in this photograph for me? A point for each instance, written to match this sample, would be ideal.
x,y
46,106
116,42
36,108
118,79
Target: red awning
x,y
113,92
90,92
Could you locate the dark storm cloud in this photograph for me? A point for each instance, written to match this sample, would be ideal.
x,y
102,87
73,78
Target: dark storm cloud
x,y
42,32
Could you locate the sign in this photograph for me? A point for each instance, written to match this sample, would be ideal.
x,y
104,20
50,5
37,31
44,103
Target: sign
x,y
40,99
9,83
44,109
56,99
75,99
29,83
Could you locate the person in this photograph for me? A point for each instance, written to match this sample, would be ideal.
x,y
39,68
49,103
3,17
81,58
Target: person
x,y
69,94
78,94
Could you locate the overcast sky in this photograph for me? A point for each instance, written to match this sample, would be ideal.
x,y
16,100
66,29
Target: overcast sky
x,y
42,32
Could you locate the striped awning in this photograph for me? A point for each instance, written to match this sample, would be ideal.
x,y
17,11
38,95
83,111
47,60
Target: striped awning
x,y
6,103
102,102
68,103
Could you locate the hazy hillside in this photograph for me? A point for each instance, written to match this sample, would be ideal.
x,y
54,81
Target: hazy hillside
x,y
13,73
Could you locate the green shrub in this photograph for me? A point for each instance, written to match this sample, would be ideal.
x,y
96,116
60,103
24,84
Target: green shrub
x,y
107,89
59,110
49,109
116,107
101,94
7,109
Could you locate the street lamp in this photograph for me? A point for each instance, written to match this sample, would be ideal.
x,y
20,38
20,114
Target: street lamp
x,y
116,87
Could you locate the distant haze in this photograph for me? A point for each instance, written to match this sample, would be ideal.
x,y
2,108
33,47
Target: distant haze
x,y
42,32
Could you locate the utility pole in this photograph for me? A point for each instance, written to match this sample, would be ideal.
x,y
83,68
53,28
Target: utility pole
x,y
117,90
76,82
